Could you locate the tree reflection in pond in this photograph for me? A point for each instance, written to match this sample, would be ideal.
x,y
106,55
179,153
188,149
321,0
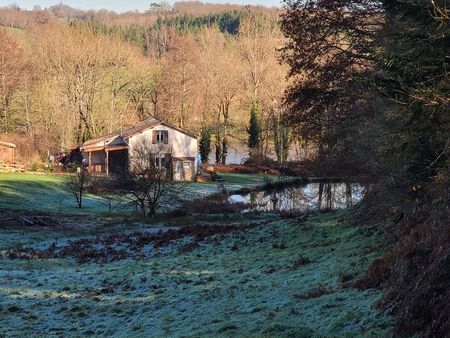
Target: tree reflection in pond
x,y
309,197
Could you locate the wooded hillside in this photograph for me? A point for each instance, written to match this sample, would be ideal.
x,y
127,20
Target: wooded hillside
x,y
70,75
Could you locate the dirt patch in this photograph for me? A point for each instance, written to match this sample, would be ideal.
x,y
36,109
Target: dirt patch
x,y
241,169
315,293
268,167
301,261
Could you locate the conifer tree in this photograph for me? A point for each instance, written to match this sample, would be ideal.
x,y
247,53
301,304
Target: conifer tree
x,y
254,130
205,143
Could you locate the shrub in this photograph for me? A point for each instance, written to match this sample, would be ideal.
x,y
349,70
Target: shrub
x,y
71,167
39,166
218,205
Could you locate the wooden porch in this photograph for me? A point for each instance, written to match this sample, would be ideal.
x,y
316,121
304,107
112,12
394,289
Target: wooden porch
x,y
107,160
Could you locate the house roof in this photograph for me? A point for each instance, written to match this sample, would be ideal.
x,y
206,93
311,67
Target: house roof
x,y
6,144
131,131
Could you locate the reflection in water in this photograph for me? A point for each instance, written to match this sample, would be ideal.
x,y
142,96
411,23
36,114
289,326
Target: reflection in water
x,y
310,197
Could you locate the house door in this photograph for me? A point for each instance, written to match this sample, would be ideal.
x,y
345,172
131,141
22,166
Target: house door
x,y
188,170
183,171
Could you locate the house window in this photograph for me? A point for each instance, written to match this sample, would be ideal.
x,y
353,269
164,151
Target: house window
x,y
159,136
159,161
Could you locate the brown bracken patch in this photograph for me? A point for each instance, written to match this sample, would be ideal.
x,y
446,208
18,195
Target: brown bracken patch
x,y
123,246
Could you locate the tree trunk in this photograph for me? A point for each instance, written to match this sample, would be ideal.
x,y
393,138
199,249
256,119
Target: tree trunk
x,y
319,202
348,195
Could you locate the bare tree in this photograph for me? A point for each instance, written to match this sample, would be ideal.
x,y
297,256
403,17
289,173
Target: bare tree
x,y
149,185
77,185
80,74
180,69
12,69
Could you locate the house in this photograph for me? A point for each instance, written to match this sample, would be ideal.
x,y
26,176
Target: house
x,y
171,148
7,152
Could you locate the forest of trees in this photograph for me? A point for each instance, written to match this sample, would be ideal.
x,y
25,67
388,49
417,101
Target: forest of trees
x,y
371,90
72,75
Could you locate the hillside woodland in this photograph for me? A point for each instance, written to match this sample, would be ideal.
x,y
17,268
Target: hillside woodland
x,y
71,75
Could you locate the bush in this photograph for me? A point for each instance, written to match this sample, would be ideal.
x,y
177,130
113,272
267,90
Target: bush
x,y
100,185
218,205
71,168
39,167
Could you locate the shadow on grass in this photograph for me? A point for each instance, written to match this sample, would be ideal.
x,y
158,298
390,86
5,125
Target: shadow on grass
x,y
47,195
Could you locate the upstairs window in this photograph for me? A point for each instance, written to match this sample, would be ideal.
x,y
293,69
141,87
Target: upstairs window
x,y
160,137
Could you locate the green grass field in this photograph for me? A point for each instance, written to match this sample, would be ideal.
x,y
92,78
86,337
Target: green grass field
x,y
45,193
238,284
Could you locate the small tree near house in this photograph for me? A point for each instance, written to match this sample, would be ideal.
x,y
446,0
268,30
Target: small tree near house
x,y
254,131
205,143
77,184
149,185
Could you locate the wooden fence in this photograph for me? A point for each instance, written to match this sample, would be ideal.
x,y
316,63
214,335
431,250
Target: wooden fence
x,y
11,168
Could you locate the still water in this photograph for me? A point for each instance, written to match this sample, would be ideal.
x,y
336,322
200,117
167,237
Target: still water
x,y
309,197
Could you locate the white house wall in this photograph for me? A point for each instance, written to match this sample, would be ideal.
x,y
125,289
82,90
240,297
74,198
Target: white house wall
x,y
180,144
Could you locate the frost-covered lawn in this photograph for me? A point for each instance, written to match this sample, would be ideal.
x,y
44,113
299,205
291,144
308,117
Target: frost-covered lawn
x,y
45,193
284,278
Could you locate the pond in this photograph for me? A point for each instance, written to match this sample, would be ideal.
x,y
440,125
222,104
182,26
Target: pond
x,y
304,198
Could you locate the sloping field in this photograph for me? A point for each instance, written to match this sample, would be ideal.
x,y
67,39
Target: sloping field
x,y
280,277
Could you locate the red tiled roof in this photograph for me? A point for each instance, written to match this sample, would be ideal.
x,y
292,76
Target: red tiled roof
x,y
148,123
131,131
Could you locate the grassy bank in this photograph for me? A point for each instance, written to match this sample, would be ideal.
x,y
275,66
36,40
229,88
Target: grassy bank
x,y
46,193
283,278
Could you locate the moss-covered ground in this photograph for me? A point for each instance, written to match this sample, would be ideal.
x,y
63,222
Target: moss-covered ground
x,y
283,278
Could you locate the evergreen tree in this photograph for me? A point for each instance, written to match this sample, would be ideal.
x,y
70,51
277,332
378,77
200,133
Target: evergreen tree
x,y
224,150
205,143
254,130
218,146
